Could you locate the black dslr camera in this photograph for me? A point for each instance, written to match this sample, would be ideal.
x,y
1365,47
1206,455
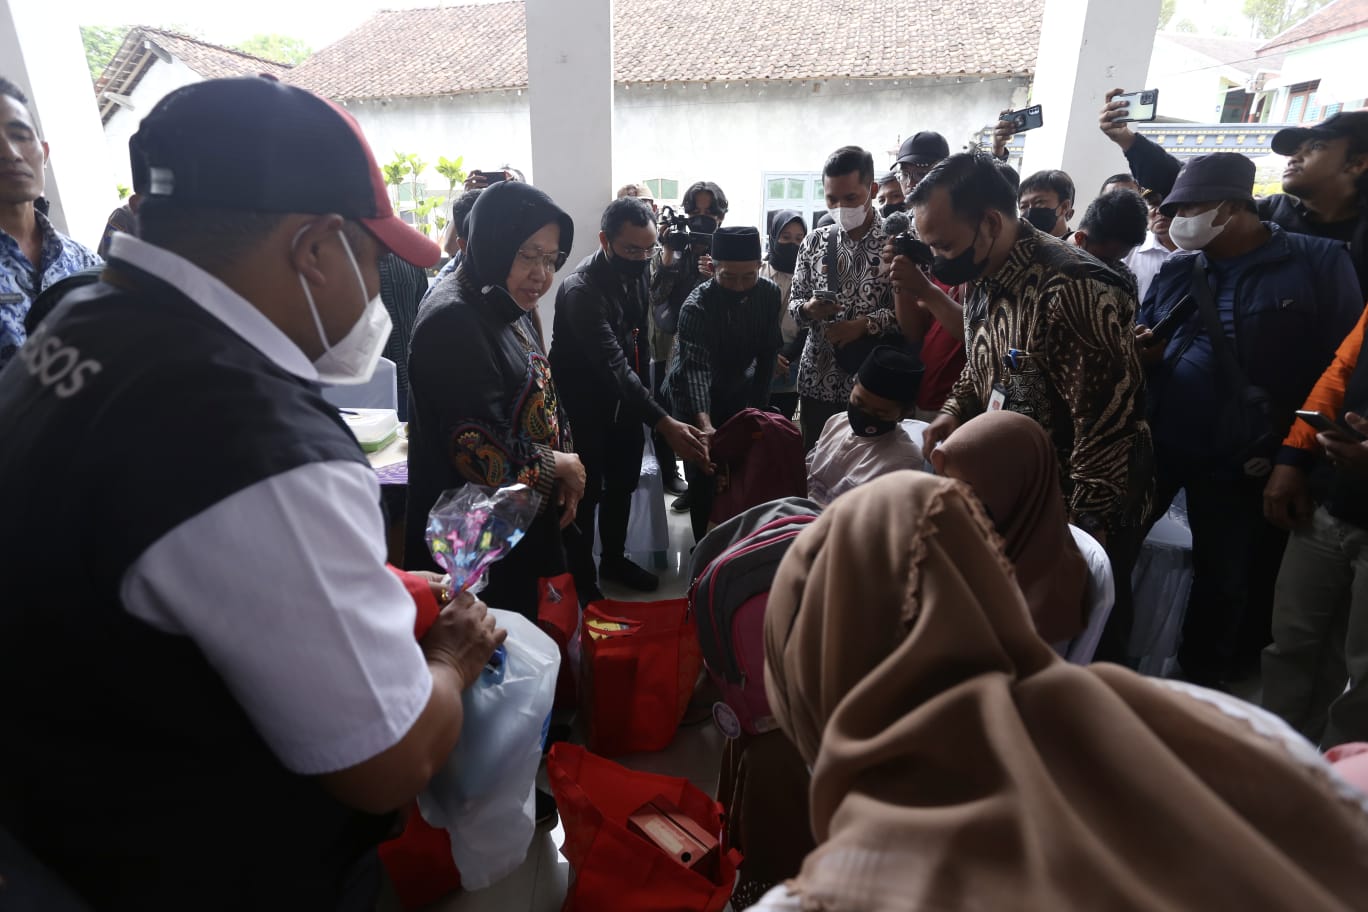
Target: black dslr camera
x,y
914,249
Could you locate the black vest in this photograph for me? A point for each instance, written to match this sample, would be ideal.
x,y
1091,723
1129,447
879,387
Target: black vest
x,y
128,767
1348,498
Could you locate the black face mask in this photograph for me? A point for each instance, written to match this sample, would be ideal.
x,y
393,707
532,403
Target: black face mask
x,y
628,269
959,269
867,425
1042,219
784,257
702,224
890,208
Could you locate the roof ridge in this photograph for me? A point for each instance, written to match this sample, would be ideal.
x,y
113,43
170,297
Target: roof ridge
x,y
209,44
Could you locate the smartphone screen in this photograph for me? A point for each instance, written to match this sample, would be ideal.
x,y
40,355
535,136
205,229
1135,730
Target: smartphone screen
x,y
1143,106
1325,426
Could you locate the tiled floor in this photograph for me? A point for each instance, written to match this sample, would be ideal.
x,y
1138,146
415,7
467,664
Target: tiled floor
x,y
540,884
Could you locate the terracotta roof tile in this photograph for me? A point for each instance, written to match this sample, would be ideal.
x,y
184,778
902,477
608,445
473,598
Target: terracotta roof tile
x,y
459,49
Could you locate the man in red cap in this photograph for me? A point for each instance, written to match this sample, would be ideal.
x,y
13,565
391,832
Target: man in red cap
x,y
212,692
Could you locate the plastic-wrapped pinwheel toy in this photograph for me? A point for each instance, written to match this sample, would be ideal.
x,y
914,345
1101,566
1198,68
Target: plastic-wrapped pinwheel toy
x,y
472,527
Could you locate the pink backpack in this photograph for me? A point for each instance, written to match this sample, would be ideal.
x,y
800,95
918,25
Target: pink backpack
x,y
733,568
759,458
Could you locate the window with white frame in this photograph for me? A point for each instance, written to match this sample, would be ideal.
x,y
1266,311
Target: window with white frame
x,y
798,190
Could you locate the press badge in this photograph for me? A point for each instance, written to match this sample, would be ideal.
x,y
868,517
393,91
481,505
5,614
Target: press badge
x,y
998,400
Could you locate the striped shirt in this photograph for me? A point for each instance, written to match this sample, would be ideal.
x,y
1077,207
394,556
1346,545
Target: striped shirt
x,y
724,351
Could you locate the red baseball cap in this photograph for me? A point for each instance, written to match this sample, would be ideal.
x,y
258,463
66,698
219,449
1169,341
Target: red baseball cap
x,y
257,144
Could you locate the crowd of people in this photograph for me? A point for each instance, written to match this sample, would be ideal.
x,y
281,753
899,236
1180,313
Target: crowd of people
x,y
996,405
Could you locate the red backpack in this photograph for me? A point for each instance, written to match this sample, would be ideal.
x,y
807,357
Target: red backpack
x,y
733,568
759,458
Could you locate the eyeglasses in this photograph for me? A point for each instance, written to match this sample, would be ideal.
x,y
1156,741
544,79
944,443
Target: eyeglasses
x,y
535,259
633,252
909,176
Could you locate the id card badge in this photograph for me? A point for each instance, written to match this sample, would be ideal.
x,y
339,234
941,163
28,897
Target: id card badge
x,y
998,400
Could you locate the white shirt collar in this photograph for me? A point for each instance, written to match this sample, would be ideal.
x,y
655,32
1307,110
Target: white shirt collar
x,y
221,302
1152,243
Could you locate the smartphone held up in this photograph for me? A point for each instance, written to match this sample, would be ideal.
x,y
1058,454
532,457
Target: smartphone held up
x,y
1141,107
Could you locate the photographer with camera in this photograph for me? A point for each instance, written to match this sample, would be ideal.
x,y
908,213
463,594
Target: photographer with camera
x,y
682,263
928,313
1047,339
840,293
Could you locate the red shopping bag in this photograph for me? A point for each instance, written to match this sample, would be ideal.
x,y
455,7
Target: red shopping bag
x,y
639,664
558,614
615,869
419,863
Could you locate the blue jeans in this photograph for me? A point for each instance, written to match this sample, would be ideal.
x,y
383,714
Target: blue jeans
x,y
1320,633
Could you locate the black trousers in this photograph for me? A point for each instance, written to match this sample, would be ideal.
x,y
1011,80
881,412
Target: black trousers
x,y
611,454
1236,554
814,416
702,490
665,455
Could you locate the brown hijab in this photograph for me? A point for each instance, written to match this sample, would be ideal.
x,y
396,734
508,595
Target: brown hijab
x,y
959,764
1010,463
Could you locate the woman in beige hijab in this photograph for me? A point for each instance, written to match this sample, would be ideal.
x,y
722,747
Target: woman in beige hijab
x,y
960,764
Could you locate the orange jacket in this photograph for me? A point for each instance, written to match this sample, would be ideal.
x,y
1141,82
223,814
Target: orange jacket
x,y
1327,396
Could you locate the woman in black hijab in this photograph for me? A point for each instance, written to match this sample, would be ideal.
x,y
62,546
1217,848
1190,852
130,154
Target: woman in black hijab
x,y
483,408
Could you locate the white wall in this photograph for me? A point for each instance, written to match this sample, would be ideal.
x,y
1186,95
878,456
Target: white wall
x,y
732,135
1190,84
40,49
688,133
159,80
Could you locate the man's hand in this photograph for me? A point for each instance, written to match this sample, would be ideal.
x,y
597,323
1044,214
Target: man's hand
x,y
705,265
436,584
570,474
703,421
463,638
689,443
1286,500
1002,134
781,367
1150,348
821,308
1119,133
907,278
846,331
937,431
1344,454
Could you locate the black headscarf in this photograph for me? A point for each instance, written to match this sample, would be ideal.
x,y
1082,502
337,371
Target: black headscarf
x,y
503,218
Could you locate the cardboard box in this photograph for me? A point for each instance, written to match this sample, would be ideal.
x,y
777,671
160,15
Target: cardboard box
x,y
678,835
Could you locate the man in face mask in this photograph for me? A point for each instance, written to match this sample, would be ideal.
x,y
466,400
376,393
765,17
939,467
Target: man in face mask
x,y
675,273
869,440
234,620
1046,201
1283,302
1049,336
840,293
600,356
890,197
723,361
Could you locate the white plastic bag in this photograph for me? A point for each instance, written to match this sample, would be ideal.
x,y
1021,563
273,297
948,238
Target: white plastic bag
x,y
483,796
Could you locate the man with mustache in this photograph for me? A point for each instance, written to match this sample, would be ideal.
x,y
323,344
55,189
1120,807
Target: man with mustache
x,y
33,254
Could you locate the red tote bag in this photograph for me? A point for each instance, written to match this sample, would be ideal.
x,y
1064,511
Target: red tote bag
x,y
558,615
615,869
640,662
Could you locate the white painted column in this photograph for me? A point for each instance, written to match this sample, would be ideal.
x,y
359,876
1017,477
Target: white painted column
x,y
41,52
570,80
1087,48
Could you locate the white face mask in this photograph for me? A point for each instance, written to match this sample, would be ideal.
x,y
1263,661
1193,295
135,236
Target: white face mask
x,y
850,219
1194,232
352,360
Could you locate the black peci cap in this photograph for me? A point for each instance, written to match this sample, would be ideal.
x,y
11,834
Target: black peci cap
x,y
739,244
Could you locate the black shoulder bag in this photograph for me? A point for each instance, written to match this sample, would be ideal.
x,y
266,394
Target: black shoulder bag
x,y
1246,435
